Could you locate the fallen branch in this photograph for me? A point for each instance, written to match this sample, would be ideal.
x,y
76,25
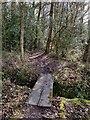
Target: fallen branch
x,y
36,56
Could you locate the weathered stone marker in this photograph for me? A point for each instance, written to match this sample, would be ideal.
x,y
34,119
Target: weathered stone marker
x,y
42,92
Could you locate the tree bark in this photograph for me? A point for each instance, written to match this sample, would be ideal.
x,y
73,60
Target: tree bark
x,y
22,29
86,55
13,20
36,42
50,30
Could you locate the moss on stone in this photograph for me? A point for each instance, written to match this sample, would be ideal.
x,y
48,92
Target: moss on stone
x,y
80,100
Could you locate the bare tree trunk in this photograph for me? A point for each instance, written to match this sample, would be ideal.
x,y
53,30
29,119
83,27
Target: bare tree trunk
x,y
59,34
36,42
13,9
22,29
50,30
4,21
86,55
33,6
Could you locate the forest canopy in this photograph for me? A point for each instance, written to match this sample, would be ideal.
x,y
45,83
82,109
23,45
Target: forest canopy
x,y
57,27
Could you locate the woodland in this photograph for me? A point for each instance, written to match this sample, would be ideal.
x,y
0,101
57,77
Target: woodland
x,y
45,38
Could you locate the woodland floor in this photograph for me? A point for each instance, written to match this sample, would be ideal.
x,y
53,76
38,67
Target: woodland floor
x,y
43,63
15,97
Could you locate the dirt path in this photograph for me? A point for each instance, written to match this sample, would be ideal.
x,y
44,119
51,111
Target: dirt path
x,y
43,113
34,112
43,64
